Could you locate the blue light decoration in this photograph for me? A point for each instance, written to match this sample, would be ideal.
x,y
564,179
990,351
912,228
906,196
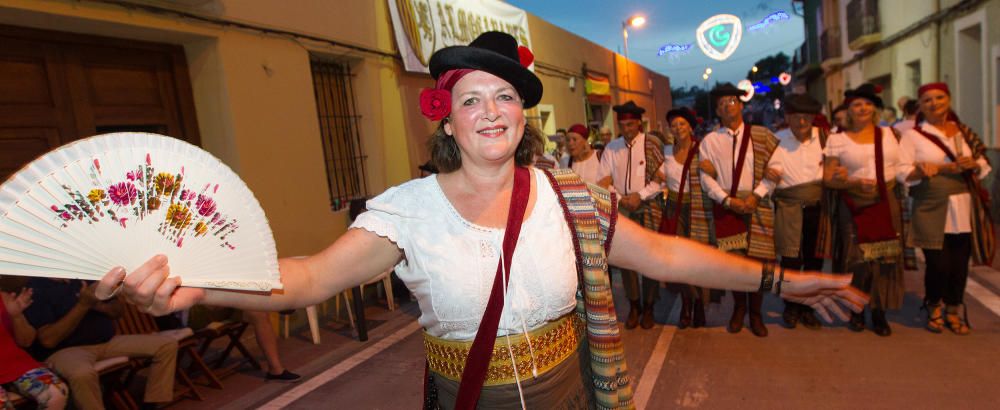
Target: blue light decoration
x,y
774,80
772,18
673,48
761,88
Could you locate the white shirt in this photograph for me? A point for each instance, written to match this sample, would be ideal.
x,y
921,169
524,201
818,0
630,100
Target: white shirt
x,y
449,263
915,148
859,159
717,148
589,170
904,125
627,166
672,169
799,162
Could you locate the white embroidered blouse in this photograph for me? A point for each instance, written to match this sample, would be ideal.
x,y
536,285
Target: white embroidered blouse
x,y
449,263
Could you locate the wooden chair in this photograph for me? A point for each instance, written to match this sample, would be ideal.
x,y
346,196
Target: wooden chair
x,y
134,322
232,330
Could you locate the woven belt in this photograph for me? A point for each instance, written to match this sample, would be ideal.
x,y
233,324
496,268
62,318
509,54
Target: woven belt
x,y
551,343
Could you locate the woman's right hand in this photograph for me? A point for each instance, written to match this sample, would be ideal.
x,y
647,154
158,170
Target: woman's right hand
x,y
827,294
150,287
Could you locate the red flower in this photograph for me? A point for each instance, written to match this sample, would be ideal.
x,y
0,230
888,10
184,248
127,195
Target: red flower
x,y
525,56
435,103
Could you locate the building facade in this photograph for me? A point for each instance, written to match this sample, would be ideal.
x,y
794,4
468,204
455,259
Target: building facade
x,y
309,103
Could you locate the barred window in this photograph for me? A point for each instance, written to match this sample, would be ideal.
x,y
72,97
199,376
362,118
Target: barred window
x,y
338,123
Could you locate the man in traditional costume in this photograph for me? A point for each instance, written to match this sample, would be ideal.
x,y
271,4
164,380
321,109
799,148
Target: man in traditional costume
x,y
630,163
734,159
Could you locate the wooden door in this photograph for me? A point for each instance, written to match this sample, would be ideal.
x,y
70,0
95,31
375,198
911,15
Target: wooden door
x,y
57,87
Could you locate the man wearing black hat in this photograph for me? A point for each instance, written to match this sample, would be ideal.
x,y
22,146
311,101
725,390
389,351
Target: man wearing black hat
x,y
795,175
734,159
630,163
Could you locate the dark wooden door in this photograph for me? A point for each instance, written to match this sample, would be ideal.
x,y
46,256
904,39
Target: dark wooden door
x,y
59,87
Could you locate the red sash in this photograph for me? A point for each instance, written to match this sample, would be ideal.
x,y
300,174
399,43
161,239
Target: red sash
x,y
729,223
873,223
668,225
478,360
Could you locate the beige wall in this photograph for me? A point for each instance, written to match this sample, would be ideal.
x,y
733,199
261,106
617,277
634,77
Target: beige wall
x,y
554,46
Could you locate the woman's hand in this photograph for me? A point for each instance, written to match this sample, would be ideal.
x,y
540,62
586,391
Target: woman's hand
x,y
17,303
839,175
773,175
823,292
150,288
868,185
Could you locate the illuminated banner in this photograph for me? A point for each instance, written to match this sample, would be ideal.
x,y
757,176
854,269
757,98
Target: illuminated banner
x,y
747,87
425,26
719,36
772,18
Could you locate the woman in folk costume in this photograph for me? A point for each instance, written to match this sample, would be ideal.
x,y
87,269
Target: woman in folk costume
x,y
861,163
734,161
685,201
942,161
582,159
795,173
507,262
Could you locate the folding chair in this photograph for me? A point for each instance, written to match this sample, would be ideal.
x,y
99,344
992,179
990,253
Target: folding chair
x,y
134,322
232,330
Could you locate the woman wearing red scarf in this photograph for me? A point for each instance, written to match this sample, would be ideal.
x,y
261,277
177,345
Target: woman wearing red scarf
x,y
942,161
508,262
860,162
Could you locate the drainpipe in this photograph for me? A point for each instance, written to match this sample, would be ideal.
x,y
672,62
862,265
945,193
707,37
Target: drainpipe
x,y
937,34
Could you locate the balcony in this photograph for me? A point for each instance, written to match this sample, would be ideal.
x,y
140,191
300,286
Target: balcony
x,y
863,26
829,47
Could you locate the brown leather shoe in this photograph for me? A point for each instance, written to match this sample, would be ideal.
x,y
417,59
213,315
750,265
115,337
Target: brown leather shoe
x,y
757,325
699,314
647,317
685,320
736,321
633,315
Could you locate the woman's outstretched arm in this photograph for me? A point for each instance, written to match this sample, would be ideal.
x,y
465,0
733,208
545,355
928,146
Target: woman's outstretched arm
x,y
355,258
674,259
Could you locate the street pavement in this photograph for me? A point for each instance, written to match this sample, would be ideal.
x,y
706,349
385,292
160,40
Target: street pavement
x,y
830,368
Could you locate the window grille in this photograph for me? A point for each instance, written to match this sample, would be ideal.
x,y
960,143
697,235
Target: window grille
x,y
338,122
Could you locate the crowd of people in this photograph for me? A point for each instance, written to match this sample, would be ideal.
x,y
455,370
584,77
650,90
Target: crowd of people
x,y
856,194
508,257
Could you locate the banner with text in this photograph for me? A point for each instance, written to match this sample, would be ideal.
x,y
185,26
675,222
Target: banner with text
x,y
425,26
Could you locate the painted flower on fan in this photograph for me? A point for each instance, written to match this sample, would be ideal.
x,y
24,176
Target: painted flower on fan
x,y
123,193
200,228
130,176
96,195
178,216
206,206
164,183
66,216
153,203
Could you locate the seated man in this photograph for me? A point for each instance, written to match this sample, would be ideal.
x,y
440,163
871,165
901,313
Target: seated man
x,y
76,330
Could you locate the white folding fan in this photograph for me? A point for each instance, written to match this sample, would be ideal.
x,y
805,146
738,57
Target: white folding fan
x,y
118,199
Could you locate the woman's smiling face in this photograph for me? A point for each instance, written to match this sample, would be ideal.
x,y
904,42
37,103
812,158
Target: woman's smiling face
x,y
487,118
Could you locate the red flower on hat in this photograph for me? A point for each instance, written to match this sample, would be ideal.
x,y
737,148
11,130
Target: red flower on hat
x,y
525,56
435,103
878,89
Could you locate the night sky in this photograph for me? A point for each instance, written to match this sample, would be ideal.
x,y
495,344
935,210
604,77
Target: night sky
x,y
675,22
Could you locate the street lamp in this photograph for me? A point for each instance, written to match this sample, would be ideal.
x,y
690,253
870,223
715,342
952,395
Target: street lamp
x,y
754,69
635,21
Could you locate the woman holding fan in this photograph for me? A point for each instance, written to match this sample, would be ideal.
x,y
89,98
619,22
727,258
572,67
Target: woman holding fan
x,y
496,251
